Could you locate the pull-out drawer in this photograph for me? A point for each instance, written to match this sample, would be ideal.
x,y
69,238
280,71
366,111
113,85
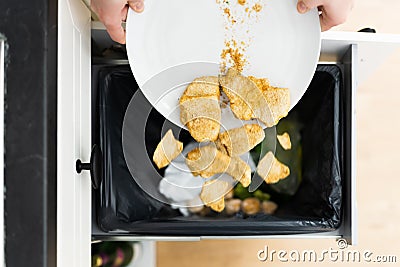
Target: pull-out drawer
x,y
121,207
356,53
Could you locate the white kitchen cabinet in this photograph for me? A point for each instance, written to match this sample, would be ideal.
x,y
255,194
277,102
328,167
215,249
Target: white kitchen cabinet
x,y
73,142
359,53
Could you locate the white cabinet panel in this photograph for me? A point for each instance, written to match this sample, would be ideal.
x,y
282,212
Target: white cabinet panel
x,y
373,49
73,135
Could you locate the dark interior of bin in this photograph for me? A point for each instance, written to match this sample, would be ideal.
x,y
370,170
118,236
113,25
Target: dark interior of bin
x,y
122,206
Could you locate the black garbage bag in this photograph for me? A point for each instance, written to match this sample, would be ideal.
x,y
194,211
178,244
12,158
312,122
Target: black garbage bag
x,y
313,203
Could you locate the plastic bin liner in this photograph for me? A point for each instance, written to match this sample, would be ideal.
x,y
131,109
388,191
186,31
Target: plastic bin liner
x,y
121,206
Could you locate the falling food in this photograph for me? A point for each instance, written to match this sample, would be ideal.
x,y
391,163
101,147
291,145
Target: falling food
x,y
240,171
257,7
278,99
212,194
272,170
167,150
239,17
249,98
208,161
238,141
284,140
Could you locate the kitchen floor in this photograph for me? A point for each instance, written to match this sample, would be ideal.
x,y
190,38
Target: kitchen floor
x,y
378,179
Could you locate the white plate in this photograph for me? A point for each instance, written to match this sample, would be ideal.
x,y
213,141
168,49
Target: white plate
x,y
175,41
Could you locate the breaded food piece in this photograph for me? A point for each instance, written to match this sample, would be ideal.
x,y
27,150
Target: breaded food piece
x,y
246,100
262,83
200,108
238,141
221,147
167,150
278,99
279,102
202,87
272,170
208,161
212,194
284,140
240,171
202,117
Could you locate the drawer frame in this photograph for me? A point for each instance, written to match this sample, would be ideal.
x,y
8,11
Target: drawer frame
x,y
348,67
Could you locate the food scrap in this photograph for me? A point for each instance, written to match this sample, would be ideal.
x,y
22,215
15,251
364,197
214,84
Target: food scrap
x,y
238,141
242,2
167,150
234,55
208,161
269,207
200,108
257,7
278,99
249,102
232,206
251,206
272,170
248,98
240,171
238,20
284,140
212,194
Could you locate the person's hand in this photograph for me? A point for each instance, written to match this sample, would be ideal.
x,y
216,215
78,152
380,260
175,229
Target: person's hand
x,y
113,12
332,12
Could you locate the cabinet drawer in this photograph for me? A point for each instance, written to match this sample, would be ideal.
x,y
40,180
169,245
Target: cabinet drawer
x,y
335,50
346,64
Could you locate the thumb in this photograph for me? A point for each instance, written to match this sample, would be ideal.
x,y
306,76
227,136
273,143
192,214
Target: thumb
x,y
304,6
136,5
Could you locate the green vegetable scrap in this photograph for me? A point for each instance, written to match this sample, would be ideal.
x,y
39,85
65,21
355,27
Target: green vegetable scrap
x,y
243,193
240,192
261,195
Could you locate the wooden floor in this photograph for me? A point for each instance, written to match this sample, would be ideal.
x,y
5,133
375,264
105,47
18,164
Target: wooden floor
x,y
378,158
